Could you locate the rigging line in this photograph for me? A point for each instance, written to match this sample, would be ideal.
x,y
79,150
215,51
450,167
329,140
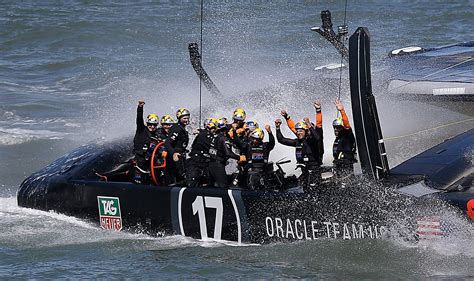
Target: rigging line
x,y
430,129
342,59
434,73
200,80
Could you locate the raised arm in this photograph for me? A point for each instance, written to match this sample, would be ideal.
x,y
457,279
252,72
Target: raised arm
x,y
281,139
140,121
271,139
319,114
290,122
345,119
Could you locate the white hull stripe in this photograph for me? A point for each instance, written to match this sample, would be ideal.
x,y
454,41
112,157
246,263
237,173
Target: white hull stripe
x,y
239,228
180,218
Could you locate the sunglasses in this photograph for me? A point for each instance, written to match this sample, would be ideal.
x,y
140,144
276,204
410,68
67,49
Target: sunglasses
x,y
151,125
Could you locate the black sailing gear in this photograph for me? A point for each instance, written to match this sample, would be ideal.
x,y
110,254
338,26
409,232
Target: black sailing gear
x,y
143,145
307,156
177,142
257,167
220,152
344,153
198,163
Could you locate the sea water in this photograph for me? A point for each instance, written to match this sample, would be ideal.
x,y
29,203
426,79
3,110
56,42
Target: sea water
x,y
72,72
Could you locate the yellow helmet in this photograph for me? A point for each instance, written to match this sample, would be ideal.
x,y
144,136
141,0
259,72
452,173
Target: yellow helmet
x,y
182,112
301,125
152,119
167,120
337,122
210,122
239,114
257,134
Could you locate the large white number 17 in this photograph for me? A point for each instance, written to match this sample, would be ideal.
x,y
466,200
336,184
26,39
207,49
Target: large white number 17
x,y
211,202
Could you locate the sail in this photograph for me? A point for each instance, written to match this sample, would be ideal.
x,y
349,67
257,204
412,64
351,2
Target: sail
x,y
372,155
196,61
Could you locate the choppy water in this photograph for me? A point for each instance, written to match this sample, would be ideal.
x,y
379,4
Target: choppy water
x,y
71,73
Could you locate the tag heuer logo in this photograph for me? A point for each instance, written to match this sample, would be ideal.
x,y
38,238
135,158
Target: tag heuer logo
x,y
109,212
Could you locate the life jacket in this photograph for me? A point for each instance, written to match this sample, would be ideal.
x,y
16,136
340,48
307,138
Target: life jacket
x,y
304,153
161,134
179,137
149,146
344,147
142,142
257,155
200,151
216,151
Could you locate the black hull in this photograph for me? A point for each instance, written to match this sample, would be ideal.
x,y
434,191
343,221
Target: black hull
x,y
360,210
227,214
355,209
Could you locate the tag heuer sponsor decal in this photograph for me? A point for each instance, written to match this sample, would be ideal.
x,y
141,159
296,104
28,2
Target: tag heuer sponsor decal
x,y
109,211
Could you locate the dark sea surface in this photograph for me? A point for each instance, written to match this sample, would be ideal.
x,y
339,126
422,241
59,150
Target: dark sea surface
x,y
71,73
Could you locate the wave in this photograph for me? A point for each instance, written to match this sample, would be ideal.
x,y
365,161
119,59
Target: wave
x,y
13,136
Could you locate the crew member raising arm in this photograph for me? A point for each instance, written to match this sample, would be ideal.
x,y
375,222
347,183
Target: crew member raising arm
x,y
306,152
344,147
318,127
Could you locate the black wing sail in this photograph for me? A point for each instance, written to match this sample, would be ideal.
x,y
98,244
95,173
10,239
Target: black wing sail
x,y
327,32
196,62
372,155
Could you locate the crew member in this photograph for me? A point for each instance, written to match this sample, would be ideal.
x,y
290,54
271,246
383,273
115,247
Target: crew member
x,y
176,145
199,156
220,152
249,127
318,127
162,159
237,127
344,147
257,153
307,156
166,122
143,143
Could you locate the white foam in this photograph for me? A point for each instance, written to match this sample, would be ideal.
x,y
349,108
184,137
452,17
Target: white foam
x,y
13,136
330,66
406,50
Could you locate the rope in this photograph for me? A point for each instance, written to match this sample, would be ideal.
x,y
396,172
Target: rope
x,y
430,129
434,73
200,82
342,59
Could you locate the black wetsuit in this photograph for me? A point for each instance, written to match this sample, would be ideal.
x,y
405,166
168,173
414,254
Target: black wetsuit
x,y
320,147
163,177
307,155
199,158
161,134
220,152
177,142
257,160
344,153
143,144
